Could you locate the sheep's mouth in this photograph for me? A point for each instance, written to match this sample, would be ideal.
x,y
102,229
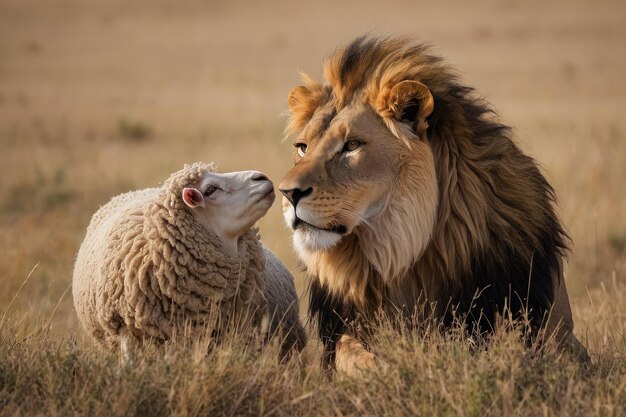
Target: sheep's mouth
x,y
339,229
267,195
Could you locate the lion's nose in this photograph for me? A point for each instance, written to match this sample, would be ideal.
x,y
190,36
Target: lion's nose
x,y
295,194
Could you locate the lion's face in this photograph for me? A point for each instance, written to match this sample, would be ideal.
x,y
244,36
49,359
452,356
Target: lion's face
x,y
345,169
356,177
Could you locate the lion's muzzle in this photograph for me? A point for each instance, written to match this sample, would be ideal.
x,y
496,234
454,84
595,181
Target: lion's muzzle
x,y
294,195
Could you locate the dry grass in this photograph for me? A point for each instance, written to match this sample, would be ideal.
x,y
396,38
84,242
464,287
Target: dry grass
x,y
100,99
434,375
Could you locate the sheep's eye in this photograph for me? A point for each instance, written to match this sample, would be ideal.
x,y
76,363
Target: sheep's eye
x,y
352,145
210,190
301,149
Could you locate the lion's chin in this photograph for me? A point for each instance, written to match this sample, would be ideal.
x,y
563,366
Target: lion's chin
x,y
309,240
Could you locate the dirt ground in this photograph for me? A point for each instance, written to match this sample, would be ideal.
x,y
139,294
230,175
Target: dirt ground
x,y
101,97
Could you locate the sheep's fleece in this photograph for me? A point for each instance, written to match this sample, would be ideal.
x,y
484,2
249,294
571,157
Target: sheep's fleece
x,y
146,269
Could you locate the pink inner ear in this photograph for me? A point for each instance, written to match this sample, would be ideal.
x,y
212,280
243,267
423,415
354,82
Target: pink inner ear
x,y
192,197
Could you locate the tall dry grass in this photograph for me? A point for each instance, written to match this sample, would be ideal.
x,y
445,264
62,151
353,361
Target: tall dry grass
x,y
432,374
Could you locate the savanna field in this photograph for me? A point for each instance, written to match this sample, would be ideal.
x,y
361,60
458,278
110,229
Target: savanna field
x,y
102,97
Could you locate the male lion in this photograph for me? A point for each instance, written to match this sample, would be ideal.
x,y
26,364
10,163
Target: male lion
x,y
407,197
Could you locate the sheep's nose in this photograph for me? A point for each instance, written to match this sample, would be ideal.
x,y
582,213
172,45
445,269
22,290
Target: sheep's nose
x,y
259,176
295,194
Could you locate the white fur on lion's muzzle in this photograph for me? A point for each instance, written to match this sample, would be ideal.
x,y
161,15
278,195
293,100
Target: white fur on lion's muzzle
x,y
311,240
290,216
307,239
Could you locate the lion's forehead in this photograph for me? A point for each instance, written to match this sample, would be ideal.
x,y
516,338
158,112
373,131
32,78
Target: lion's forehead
x,y
358,121
320,122
323,165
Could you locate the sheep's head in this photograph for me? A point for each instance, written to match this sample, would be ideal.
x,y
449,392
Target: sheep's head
x,y
227,204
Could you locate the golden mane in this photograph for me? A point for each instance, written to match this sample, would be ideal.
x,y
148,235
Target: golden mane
x,y
483,177
496,231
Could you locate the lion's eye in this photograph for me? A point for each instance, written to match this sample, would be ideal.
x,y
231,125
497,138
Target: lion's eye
x,y
301,149
352,145
210,190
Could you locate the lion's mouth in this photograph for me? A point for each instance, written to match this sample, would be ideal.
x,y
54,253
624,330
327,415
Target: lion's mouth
x,y
301,224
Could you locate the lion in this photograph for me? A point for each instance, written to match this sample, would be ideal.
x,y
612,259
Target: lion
x,y
407,195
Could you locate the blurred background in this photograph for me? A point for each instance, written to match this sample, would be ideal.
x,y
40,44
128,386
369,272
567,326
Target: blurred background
x,y
102,97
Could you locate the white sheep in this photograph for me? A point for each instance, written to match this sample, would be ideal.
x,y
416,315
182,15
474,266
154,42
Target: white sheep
x,y
159,261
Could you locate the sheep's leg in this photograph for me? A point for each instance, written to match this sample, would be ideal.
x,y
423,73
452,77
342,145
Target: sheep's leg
x,y
127,348
351,357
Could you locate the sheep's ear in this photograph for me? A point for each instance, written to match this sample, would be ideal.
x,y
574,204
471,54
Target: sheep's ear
x,y
193,198
411,102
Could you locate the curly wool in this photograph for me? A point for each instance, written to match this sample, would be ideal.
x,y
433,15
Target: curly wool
x,y
146,267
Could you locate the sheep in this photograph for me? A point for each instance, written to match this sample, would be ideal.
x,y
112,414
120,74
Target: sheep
x,y
158,261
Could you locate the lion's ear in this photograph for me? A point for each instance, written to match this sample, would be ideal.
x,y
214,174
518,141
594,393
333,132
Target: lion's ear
x,y
412,102
303,101
296,97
